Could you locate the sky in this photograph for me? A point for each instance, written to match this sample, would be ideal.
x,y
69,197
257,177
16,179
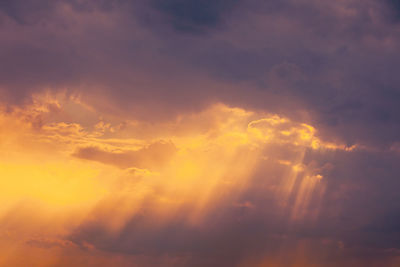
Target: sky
x,y
191,133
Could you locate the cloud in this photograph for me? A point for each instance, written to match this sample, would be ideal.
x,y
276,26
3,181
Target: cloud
x,y
231,234
194,16
229,133
49,243
261,162
124,61
152,156
27,12
233,187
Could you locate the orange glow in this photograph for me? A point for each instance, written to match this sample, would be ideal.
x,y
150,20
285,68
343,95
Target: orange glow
x,y
83,166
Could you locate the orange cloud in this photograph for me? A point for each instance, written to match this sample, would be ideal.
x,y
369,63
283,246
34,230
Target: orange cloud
x,y
104,175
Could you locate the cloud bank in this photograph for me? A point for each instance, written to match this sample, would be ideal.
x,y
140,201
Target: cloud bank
x,y
199,133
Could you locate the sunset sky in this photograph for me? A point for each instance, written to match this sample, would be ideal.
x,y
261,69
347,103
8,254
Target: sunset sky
x,y
222,133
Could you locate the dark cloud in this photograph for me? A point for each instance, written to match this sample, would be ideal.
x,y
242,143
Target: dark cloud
x,y
27,12
194,16
340,58
152,156
395,9
31,12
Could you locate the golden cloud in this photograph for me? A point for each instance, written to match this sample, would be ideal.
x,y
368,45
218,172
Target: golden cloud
x,y
100,170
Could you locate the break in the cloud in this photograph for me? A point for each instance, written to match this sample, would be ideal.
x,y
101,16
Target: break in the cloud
x,y
199,133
